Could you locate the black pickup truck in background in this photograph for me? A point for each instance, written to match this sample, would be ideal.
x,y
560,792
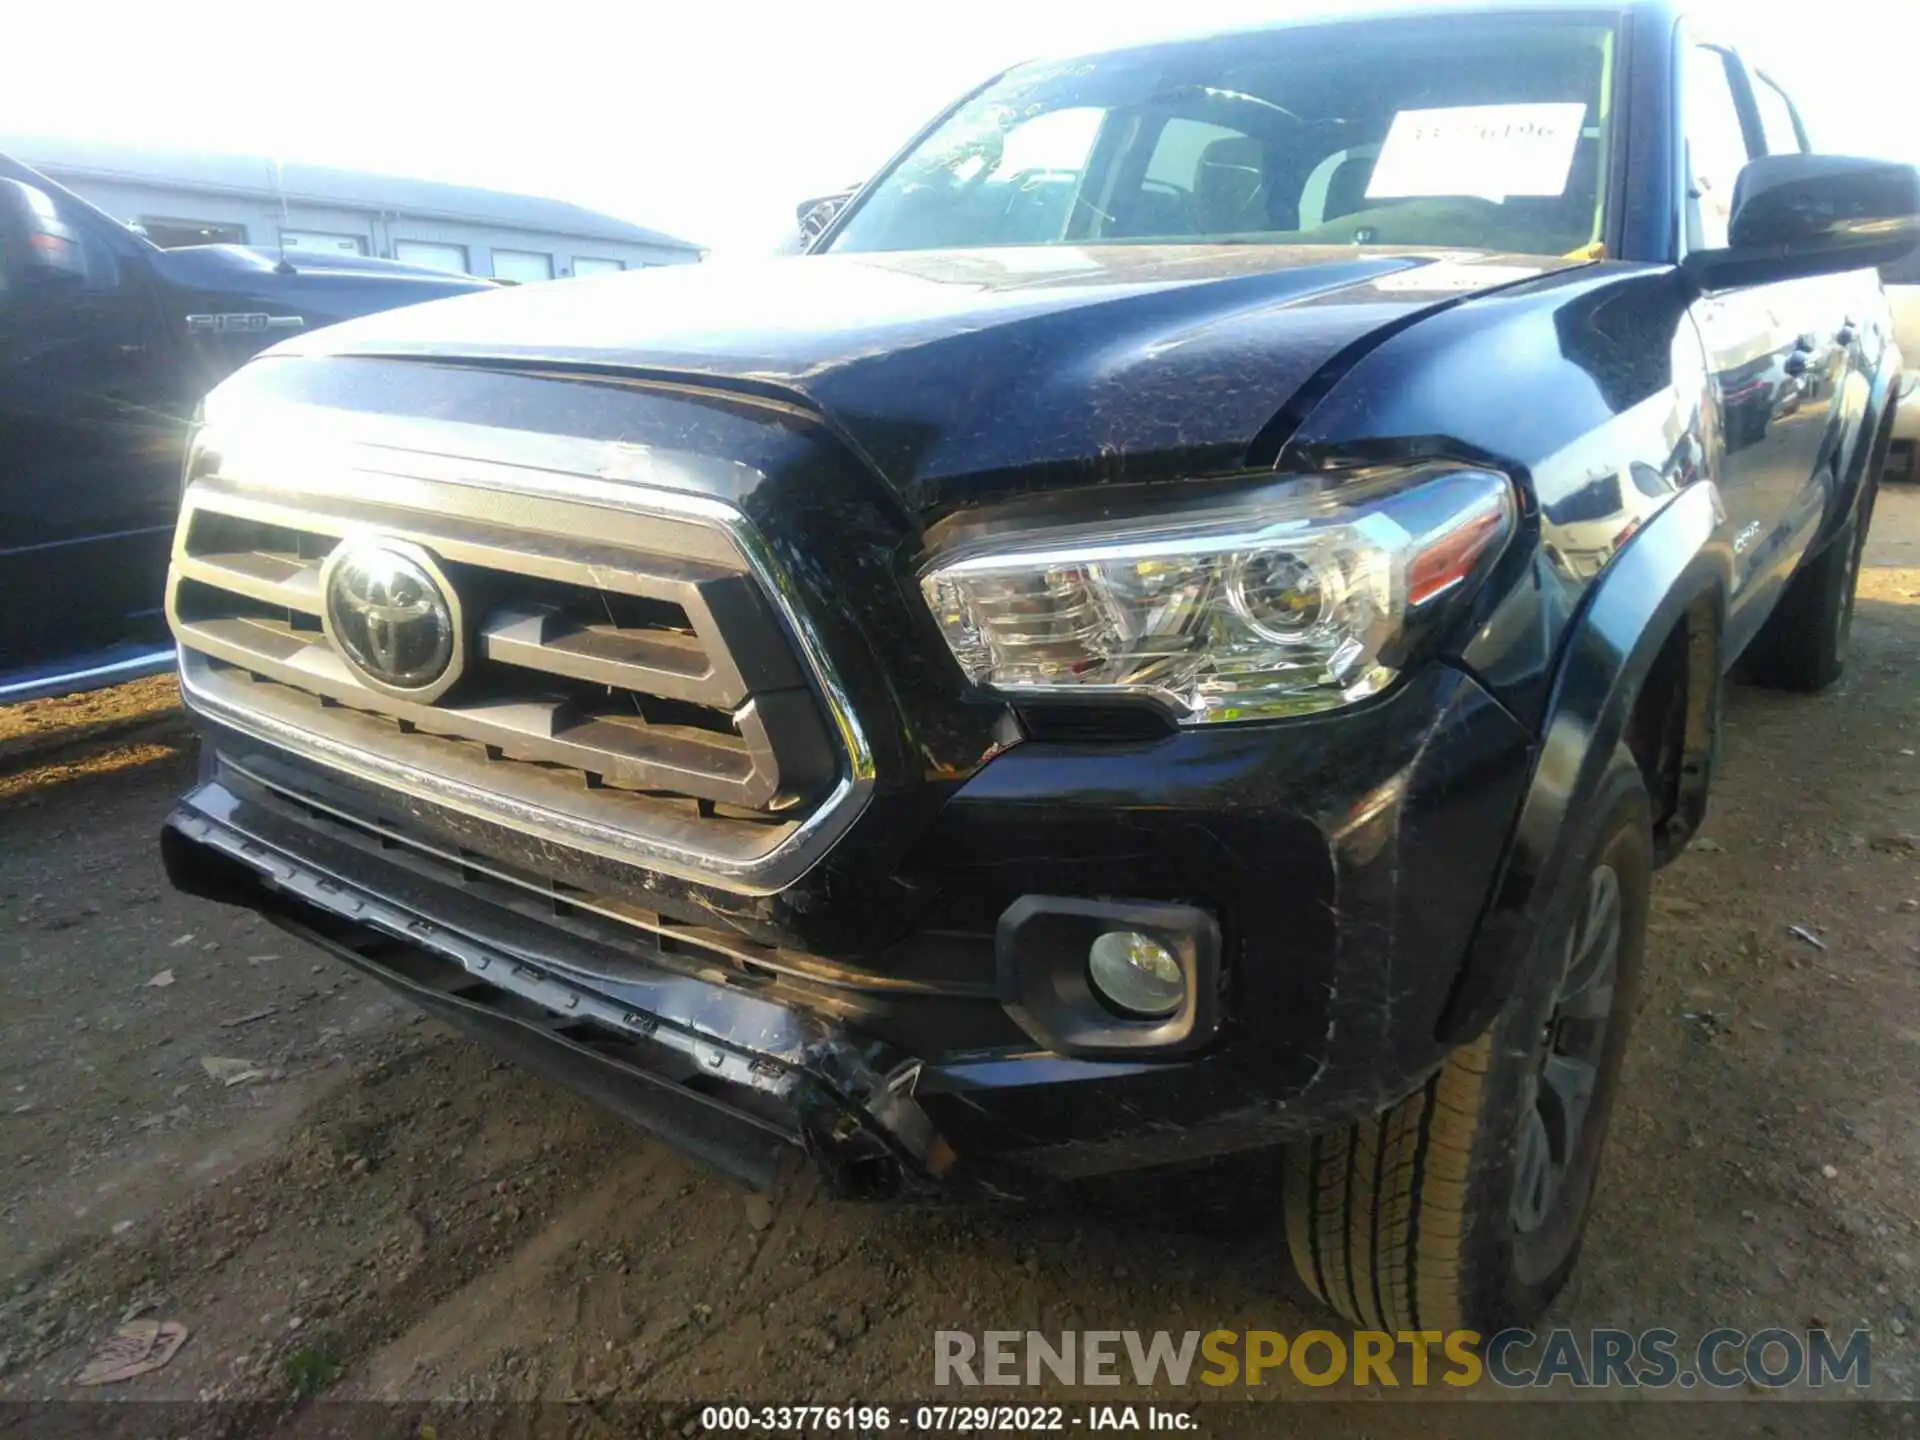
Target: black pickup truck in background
x,y
1184,622
107,344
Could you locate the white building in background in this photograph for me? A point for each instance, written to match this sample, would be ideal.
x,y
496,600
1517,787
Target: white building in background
x,y
179,197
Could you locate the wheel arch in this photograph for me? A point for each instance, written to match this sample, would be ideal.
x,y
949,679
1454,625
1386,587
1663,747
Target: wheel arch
x,y
1673,728
1865,457
1641,660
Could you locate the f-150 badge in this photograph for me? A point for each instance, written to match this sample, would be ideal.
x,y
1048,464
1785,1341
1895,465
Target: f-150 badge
x,y
242,324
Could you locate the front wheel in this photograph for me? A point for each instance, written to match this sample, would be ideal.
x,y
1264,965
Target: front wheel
x,y
1463,1206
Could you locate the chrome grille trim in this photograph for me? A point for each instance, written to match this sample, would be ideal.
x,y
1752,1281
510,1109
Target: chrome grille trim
x,y
735,770
664,664
501,516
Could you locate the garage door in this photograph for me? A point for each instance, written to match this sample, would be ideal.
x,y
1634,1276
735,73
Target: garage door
x,y
317,242
172,234
587,265
522,267
432,252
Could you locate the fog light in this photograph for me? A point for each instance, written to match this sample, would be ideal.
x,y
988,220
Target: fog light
x,y
1136,974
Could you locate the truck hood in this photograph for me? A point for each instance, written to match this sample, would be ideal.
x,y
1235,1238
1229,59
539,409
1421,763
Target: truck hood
x,y
977,370
312,287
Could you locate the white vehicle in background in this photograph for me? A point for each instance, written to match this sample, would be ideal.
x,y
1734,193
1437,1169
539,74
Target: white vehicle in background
x,y
1903,293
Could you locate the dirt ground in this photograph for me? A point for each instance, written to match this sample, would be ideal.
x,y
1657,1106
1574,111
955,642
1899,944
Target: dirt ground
x,y
204,1122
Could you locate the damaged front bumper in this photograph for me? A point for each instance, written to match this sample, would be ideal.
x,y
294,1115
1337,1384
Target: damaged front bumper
x,y
1344,860
731,1078
739,1080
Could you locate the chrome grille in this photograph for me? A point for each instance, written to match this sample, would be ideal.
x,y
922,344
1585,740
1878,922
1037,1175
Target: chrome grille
x,y
628,681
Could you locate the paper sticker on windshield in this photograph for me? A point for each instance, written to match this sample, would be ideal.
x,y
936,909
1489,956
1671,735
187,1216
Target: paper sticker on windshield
x,y
1491,151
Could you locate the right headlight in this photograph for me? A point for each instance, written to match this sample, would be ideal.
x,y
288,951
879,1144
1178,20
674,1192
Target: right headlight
x,y
1271,607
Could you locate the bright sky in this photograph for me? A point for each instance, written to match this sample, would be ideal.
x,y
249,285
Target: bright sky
x,y
709,119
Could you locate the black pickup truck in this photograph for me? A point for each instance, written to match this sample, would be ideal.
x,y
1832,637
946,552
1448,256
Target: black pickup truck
x,y
106,345
1185,622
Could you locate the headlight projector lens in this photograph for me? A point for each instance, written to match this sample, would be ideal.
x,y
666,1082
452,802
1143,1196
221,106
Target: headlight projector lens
x,y
1280,596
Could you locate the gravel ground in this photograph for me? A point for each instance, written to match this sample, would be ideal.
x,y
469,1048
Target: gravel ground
x,y
205,1122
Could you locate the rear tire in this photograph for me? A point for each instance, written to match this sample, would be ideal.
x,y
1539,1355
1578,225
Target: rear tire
x,y
1464,1205
1804,645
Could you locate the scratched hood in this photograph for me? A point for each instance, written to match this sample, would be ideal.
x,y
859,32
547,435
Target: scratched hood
x,y
956,370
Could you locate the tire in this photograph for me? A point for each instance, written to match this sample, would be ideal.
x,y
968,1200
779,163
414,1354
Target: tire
x,y
1903,460
1436,1213
1803,647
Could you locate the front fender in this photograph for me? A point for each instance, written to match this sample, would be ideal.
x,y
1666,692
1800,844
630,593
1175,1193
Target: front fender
x,y
1672,577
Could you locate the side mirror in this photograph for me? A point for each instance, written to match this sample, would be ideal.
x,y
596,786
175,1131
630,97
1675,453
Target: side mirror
x,y
817,214
1801,215
36,244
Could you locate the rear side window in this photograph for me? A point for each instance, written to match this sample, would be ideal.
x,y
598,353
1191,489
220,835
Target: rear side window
x,y
1776,118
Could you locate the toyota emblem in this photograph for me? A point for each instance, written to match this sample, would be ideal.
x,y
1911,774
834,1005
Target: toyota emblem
x,y
393,618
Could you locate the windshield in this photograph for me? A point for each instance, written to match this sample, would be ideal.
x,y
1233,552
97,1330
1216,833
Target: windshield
x,y
1487,132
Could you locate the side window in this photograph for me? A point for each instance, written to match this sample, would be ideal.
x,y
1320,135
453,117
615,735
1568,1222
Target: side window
x,y
1017,184
1201,179
1182,146
1716,148
1776,118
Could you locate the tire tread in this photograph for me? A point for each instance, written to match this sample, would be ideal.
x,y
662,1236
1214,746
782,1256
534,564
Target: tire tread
x,y
1376,1213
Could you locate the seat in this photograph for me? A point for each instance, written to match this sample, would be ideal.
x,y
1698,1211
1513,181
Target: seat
x,y
1230,190
1347,188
